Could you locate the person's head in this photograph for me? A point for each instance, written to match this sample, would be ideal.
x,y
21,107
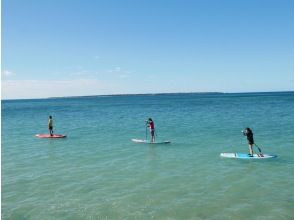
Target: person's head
x,y
50,117
248,130
150,119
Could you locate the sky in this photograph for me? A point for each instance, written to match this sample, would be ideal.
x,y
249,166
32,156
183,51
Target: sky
x,y
55,48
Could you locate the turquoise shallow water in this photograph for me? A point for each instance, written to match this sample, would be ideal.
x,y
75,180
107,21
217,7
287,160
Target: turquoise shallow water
x,y
98,173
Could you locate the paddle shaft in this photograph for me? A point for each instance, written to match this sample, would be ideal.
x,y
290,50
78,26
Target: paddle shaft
x,y
258,148
146,131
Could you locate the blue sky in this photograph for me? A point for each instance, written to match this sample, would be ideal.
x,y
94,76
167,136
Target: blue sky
x,y
92,47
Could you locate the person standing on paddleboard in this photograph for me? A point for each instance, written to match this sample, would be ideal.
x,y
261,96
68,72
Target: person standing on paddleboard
x,y
150,124
249,134
50,125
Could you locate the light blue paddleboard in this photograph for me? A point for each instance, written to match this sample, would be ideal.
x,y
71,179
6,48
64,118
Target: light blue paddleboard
x,y
149,142
246,156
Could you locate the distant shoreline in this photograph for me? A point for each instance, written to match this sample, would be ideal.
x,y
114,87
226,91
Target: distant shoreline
x,y
150,94
140,94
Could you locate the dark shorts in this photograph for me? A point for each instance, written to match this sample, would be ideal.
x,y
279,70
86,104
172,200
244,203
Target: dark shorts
x,y
50,128
250,141
152,132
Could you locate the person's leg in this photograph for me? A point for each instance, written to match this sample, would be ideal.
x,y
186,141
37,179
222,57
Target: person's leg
x,y
251,149
152,136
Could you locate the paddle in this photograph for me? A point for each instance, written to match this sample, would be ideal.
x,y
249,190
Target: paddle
x,y
146,130
260,153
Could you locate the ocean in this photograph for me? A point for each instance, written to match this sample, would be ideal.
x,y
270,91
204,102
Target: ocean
x,y
97,172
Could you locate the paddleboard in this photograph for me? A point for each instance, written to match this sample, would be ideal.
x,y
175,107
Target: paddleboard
x,y
49,136
149,142
246,156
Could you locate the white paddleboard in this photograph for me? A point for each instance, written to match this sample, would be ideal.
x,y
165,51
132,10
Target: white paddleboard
x,y
247,156
149,142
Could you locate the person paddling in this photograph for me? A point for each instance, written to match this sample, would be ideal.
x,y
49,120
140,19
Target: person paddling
x,y
50,125
150,124
249,134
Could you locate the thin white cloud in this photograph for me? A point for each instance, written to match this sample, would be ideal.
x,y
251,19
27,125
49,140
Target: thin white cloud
x,y
80,73
77,67
7,73
19,89
123,76
121,73
115,70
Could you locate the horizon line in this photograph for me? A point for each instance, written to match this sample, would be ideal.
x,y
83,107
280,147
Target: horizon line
x,y
142,94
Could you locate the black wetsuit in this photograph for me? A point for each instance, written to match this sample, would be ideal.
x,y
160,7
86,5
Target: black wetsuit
x,y
249,136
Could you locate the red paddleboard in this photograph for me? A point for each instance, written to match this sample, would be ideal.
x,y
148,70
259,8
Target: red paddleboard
x,y
49,136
